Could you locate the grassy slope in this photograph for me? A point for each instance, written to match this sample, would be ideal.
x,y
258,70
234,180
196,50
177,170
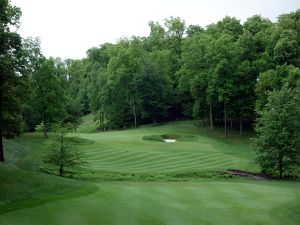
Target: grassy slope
x,y
126,151
22,188
21,183
88,124
28,197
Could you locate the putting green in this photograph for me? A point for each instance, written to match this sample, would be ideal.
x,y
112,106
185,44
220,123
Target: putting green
x,y
127,151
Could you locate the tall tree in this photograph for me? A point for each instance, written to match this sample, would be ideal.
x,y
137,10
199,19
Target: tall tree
x,y
154,91
224,54
98,90
49,97
10,45
193,74
124,67
181,101
277,143
31,60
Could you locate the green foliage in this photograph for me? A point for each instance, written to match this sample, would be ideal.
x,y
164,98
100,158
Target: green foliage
x,y
63,152
210,73
277,144
74,113
273,80
10,82
49,97
153,88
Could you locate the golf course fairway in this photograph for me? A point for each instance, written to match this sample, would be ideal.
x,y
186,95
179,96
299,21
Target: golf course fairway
x,y
133,178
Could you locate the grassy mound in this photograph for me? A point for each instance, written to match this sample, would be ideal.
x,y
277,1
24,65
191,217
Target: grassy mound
x,y
79,141
153,138
170,136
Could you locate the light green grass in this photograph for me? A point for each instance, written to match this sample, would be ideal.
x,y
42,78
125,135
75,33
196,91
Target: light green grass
x,y
127,151
252,202
88,124
28,197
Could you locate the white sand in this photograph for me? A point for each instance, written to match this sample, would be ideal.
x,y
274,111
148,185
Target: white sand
x,y
170,140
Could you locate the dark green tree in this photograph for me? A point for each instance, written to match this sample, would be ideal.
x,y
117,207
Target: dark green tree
x,y
154,91
224,57
98,90
74,113
193,74
10,46
49,96
277,143
31,59
124,67
272,80
63,153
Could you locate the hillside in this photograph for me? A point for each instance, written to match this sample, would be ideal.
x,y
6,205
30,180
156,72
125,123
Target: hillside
x,y
133,177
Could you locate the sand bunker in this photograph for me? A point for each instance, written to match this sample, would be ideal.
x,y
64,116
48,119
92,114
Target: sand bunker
x,y
169,140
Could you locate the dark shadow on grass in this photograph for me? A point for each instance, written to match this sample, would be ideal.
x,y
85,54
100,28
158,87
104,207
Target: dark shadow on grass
x,y
31,202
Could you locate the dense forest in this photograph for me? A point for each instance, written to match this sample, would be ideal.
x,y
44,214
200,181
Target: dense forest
x,y
222,74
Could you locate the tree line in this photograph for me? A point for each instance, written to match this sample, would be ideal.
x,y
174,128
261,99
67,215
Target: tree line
x,y
222,74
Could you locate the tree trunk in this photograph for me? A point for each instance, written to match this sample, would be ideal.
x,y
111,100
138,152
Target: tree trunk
x,y
241,126
1,128
280,166
154,121
225,120
45,129
1,145
61,153
60,170
231,124
101,120
134,115
211,117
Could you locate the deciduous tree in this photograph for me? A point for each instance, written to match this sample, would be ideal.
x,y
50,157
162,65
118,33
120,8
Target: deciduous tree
x,y
62,153
277,142
10,45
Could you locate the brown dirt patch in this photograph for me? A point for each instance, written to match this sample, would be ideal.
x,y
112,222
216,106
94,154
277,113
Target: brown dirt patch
x,y
251,175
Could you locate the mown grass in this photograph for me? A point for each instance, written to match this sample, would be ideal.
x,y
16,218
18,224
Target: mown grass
x,y
131,180
22,188
134,151
154,203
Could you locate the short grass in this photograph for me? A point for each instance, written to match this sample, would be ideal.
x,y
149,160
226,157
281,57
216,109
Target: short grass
x,y
156,203
196,150
116,188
